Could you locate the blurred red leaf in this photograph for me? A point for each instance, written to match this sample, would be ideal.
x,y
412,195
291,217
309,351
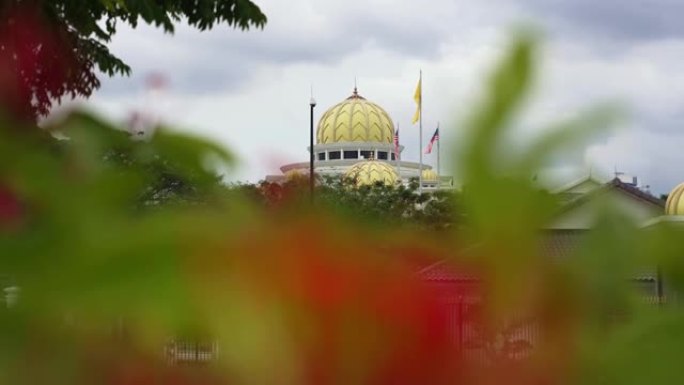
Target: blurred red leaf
x,y
10,208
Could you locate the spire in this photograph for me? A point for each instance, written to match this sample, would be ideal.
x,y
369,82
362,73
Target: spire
x,y
355,93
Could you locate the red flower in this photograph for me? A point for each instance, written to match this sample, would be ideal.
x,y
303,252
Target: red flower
x,y
358,315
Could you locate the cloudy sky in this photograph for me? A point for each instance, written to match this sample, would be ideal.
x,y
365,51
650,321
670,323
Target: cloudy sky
x,y
250,90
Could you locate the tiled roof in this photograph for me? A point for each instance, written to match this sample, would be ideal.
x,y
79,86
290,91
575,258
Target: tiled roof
x,y
443,271
633,190
556,244
559,244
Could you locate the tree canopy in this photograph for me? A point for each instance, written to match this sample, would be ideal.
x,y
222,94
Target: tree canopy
x,y
50,49
377,204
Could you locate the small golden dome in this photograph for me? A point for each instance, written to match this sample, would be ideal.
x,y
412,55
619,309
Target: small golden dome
x,y
430,175
355,119
369,172
675,203
296,174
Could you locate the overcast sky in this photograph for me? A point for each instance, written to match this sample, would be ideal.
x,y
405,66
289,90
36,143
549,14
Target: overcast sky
x,y
250,90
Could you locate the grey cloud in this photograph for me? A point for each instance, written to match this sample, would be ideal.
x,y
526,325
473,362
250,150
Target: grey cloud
x,y
225,59
667,122
654,158
195,80
189,65
330,42
614,19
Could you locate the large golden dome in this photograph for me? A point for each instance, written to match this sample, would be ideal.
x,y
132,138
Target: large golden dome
x,y
369,172
675,203
355,120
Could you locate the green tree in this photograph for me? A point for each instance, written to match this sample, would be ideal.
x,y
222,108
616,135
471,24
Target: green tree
x,y
50,49
168,168
166,182
376,204
400,205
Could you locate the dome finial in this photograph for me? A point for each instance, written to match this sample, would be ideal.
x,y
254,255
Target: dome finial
x,y
355,94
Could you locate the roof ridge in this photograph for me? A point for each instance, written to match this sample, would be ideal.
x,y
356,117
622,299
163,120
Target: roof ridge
x,y
629,188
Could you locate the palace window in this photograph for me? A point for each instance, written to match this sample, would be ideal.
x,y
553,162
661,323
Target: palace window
x,y
394,157
351,155
382,155
332,155
321,156
366,154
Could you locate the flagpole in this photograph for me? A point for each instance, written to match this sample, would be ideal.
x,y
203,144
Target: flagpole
x,y
439,173
420,140
397,151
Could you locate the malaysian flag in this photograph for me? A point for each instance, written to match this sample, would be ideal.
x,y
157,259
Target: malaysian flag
x,y
396,143
435,137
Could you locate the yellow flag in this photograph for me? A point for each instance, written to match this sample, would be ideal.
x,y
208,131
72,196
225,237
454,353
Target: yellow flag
x,y
418,98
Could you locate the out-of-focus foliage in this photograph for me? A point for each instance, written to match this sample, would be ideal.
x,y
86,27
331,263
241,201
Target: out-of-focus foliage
x,y
503,207
105,288
53,48
172,165
596,326
303,295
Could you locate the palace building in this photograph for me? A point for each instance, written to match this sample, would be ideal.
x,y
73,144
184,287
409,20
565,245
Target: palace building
x,y
355,138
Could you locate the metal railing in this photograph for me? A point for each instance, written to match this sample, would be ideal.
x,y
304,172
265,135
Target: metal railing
x,y
192,352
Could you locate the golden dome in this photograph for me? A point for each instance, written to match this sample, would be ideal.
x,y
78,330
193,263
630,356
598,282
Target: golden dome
x,y
295,175
430,176
369,172
675,203
355,119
